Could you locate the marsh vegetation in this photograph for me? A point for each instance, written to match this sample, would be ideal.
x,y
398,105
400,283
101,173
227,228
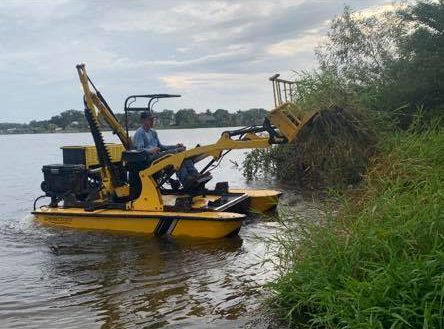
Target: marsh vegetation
x,y
376,259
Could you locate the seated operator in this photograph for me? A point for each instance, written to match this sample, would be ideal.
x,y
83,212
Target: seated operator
x,y
145,138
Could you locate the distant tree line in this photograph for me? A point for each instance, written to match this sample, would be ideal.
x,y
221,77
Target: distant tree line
x,y
74,120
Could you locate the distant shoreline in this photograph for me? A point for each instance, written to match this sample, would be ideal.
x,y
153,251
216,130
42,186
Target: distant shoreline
x,y
74,121
71,131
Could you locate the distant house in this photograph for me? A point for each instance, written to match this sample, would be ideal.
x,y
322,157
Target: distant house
x,y
37,130
73,126
165,118
205,118
168,122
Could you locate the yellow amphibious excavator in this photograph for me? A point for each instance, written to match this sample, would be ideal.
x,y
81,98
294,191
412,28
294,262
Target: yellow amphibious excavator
x,y
114,187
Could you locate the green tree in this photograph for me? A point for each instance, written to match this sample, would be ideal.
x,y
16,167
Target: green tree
x,y
390,61
66,118
418,73
186,117
361,47
222,117
253,116
165,118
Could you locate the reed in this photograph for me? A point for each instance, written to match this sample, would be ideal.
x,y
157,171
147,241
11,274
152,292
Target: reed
x,y
379,261
331,151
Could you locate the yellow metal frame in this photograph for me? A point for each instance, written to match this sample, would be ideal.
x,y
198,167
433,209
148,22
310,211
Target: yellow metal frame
x,y
98,108
211,225
150,199
91,157
289,119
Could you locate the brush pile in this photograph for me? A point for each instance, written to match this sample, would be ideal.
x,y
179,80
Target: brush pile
x,y
331,150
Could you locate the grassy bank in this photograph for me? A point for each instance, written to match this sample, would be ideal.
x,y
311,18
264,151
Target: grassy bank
x,y
379,262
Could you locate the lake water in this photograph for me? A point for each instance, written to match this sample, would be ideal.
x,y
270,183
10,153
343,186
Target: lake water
x,y
57,278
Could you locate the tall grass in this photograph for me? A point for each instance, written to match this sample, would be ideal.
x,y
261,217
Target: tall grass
x,y
379,262
332,150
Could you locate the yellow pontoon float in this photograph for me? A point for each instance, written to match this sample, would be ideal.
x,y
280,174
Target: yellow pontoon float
x,y
114,187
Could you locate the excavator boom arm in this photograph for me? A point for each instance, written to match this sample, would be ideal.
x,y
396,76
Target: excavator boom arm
x,y
291,124
97,104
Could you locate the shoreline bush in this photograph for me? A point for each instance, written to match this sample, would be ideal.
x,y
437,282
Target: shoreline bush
x,y
380,68
332,150
378,263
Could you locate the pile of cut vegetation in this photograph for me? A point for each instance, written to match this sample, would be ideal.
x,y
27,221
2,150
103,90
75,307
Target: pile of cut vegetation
x,y
332,150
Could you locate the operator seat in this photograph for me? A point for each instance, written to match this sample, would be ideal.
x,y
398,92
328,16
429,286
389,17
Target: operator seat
x,y
135,161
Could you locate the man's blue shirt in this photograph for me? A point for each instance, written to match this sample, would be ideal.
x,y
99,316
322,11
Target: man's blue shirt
x,y
147,139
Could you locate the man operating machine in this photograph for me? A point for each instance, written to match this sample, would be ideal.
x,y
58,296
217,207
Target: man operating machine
x,y
146,138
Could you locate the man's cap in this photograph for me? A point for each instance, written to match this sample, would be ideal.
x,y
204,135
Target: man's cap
x,y
146,115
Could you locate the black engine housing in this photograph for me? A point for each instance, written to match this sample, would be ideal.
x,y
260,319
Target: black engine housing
x,y
63,180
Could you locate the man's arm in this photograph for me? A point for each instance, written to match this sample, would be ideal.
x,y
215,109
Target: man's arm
x,y
160,145
139,143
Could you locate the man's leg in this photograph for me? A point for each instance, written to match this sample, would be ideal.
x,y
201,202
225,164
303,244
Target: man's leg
x,y
187,170
160,154
189,165
153,157
182,174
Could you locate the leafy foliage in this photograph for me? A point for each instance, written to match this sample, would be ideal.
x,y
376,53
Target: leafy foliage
x,y
359,48
417,76
380,69
331,151
379,263
392,61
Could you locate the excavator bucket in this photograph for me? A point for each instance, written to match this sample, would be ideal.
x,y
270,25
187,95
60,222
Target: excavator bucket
x,y
289,119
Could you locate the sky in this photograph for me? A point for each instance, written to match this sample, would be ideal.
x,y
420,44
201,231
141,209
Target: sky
x,y
216,54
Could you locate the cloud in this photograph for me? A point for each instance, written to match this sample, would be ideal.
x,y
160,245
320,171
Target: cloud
x,y
185,15
212,80
378,10
226,90
292,47
222,51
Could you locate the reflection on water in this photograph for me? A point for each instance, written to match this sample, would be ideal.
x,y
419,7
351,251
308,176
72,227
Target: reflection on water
x,y
56,278
53,277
